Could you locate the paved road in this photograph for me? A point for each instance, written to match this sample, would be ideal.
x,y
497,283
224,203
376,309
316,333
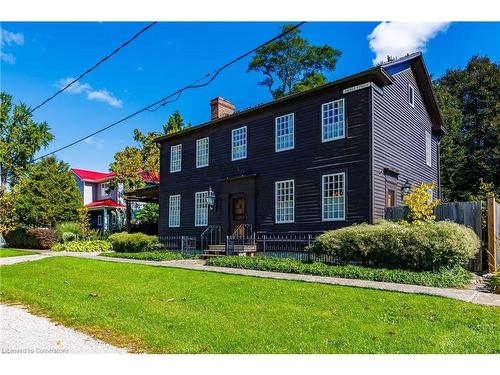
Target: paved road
x,y
22,332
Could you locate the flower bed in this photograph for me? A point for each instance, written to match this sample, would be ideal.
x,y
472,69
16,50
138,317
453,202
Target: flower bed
x,y
83,246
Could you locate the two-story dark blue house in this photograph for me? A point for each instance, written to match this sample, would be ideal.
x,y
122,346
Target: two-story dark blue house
x,y
325,158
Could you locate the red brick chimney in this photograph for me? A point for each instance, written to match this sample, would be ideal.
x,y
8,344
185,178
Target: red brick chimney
x,y
220,107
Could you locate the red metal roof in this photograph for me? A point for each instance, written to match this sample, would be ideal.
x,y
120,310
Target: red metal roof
x,y
91,175
104,203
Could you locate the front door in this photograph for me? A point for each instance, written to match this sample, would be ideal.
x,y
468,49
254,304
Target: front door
x,y
238,211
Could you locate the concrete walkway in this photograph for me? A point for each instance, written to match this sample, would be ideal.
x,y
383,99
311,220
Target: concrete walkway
x,y
22,332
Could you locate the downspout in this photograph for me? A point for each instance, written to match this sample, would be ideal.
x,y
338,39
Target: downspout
x,y
439,168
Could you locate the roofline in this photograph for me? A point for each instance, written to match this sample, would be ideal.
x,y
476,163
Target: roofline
x,y
377,72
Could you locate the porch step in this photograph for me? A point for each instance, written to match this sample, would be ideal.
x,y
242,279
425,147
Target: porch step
x,y
220,247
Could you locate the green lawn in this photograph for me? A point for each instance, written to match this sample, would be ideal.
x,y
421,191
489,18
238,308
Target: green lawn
x,y
7,252
168,310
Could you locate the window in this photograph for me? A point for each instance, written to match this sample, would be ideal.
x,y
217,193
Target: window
x,y
239,143
202,152
200,209
333,120
175,158
285,201
99,220
411,95
104,188
284,130
428,149
174,211
333,193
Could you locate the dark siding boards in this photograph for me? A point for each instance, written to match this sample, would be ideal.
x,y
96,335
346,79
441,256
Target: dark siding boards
x,y
306,163
399,139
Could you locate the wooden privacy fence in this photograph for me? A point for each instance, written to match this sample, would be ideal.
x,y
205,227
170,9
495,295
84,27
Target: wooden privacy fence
x,y
493,225
466,213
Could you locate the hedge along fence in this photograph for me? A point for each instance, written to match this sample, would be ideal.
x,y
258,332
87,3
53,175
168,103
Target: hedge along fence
x,y
428,246
133,242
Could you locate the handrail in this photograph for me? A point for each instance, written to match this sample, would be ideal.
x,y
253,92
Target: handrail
x,y
211,236
243,230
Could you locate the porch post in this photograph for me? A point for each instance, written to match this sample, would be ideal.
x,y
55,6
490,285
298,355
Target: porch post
x,y
105,221
127,215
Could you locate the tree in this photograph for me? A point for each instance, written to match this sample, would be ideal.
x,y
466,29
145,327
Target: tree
x,y
290,64
47,195
150,213
420,204
20,139
477,137
175,123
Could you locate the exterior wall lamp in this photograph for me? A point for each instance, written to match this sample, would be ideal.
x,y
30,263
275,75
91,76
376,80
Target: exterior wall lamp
x,y
406,188
210,198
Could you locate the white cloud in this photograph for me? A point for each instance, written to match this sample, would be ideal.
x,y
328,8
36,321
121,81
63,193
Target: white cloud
x,y
99,143
397,39
102,95
7,39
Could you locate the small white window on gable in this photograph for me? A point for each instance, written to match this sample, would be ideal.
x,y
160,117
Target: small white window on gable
x,y
284,132
202,152
285,201
200,209
333,120
411,95
174,211
175,158
239,143
428,149
104,190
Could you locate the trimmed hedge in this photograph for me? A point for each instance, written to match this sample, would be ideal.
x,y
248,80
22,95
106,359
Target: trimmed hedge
x,y
133,242
427,246
147,255
38,238
83,246
443,278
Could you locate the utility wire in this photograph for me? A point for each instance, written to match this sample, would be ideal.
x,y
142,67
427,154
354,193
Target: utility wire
x,y
95,66
164,101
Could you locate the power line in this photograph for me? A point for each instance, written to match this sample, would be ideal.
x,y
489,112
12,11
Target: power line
x,y
95,66
164,101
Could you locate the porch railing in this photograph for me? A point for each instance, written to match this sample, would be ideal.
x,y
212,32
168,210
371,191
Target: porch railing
x,y
212,235
183,244
284,242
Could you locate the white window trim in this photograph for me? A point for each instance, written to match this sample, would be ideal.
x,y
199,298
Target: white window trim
x,y
276,133
180,158
323,140
104,187
195,195
323,197
170,225
412,96
428,149
276,203
208,152
246,143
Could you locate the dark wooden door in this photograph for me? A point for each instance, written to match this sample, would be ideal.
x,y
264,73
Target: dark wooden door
x,y
238,211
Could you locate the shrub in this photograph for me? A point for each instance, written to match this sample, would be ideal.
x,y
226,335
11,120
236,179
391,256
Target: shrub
x,y
133,242
147,255
68,236
495,282
428,246
83,246
442,278
420,204
38,238
69,227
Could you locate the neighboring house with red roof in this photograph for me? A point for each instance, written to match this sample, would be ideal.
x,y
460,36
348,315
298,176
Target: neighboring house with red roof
x,y
106,207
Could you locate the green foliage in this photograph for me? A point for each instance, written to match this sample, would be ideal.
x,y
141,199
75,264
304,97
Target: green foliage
x,y
150,213
47,195
20,139
291,64
7,215
442,278
68,236
495,282
133,242
37,238
429,246
71,227
83,246
420,204
469,100
147,255
175,123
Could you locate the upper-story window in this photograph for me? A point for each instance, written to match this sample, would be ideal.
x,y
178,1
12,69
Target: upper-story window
x,y
174,211
175,158
333,120
104,189
202,152
428,149
285,132
239,143
333,197
285,201
200,209
411,95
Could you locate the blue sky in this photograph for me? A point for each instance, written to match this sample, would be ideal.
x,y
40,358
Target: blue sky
x,y
36,57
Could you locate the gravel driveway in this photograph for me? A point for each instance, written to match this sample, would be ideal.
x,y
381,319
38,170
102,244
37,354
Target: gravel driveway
x,y
22,332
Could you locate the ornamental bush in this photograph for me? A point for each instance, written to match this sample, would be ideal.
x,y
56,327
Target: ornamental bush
x,y
68,236
133,242
428,246
37,238
83,246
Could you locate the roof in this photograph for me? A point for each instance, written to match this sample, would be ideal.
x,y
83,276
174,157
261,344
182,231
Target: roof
x,y
381,75
376,74
104,203
147,194
93,176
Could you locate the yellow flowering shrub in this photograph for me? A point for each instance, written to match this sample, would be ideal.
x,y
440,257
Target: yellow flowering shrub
x,y
421,204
